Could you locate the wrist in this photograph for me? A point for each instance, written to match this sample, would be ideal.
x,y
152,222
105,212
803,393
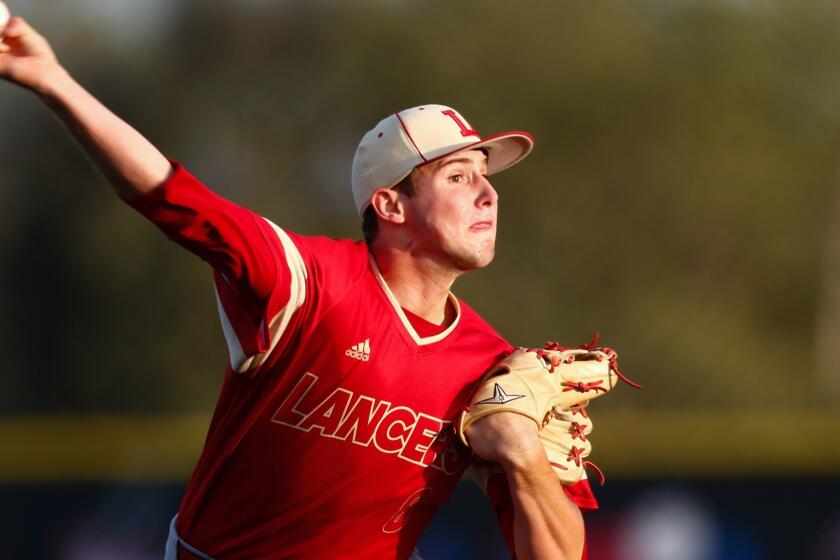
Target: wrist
x,y
53,84
527,454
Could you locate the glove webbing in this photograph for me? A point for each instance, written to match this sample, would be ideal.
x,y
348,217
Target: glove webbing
x,y
554,361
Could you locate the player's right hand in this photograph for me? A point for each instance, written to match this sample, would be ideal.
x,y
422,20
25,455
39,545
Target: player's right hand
x,y
506,438
26,57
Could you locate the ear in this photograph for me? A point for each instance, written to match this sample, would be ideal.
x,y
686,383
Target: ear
x,y
388,205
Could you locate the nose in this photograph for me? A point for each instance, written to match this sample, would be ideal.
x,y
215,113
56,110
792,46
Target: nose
x,y
487,195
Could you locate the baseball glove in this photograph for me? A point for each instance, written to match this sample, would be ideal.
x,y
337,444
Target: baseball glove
x,y
533,381
566,442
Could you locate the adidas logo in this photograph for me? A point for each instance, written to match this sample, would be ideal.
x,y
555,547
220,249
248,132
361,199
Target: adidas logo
x,y
360,351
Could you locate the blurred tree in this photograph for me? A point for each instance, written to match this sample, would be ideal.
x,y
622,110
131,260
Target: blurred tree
x,y
677,197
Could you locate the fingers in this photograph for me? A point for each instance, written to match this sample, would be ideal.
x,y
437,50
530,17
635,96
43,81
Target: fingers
x,y
4,47
22,40
17,28
11,26
18,31
26,57
10,33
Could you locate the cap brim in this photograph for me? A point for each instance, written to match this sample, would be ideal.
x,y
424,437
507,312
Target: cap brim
x,y
504,150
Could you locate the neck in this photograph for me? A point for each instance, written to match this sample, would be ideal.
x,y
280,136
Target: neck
x,y
420,285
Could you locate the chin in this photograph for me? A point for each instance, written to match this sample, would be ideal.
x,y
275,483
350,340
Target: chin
x,y
486,260
474,261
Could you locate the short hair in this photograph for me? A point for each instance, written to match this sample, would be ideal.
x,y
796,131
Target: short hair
x,y
370,221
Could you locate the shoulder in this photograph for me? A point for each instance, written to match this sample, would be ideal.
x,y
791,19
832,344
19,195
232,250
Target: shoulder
x,y
319,251
327,265
339,255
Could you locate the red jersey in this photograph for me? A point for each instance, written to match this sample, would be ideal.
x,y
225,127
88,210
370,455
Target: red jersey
x,y
332,436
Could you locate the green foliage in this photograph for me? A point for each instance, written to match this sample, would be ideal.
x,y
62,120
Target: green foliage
x,y
676,200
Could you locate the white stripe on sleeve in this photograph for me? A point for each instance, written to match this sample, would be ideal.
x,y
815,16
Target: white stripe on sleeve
x,y
277,324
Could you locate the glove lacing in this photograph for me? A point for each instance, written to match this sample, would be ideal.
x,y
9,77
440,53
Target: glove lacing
x,y
546,352
576,430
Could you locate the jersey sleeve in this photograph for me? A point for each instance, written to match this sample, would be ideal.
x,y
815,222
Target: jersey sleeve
x,y
258,272
498,492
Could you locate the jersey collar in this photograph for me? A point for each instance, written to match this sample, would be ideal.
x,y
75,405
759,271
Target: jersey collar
x,y
420,341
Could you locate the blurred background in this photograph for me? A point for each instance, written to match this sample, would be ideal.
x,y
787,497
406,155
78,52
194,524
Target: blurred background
x,y
683,198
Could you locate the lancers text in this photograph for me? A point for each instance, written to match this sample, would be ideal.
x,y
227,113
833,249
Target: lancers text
x,y
363,420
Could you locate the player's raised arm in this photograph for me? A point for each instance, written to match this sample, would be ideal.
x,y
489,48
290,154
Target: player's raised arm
x,y
131,163
252,277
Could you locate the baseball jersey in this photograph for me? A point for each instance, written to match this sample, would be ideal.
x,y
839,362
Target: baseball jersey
x,y
332,435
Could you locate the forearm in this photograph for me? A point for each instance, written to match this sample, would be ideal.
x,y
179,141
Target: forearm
x,y
546,524
130,163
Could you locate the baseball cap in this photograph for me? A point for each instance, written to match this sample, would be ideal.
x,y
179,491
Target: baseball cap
x,y
400,142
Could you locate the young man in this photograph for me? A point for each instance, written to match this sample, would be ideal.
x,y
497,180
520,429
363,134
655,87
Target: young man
x,y
349,361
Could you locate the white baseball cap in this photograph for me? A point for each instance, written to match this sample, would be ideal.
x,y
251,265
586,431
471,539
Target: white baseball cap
x,y
402,141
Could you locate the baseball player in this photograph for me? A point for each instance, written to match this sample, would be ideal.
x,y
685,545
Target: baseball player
x,y
349,360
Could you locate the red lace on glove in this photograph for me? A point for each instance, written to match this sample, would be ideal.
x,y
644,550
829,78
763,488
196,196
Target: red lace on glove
x,y
574,456
576,428
554,361
577,431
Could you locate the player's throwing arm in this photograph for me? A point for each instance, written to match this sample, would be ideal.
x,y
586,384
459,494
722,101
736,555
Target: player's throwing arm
x,y
130,162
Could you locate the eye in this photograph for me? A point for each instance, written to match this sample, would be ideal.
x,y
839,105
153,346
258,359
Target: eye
x,y
457,178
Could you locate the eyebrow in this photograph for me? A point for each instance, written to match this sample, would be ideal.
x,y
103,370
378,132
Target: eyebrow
x,y
460,160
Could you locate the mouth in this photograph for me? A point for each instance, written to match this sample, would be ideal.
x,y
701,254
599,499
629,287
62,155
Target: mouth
x,y
484,225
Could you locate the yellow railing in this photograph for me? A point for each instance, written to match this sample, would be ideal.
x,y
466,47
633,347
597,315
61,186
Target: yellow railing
x,y
626,444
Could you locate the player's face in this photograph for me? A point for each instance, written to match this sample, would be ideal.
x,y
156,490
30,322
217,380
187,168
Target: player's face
x,y
452,214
